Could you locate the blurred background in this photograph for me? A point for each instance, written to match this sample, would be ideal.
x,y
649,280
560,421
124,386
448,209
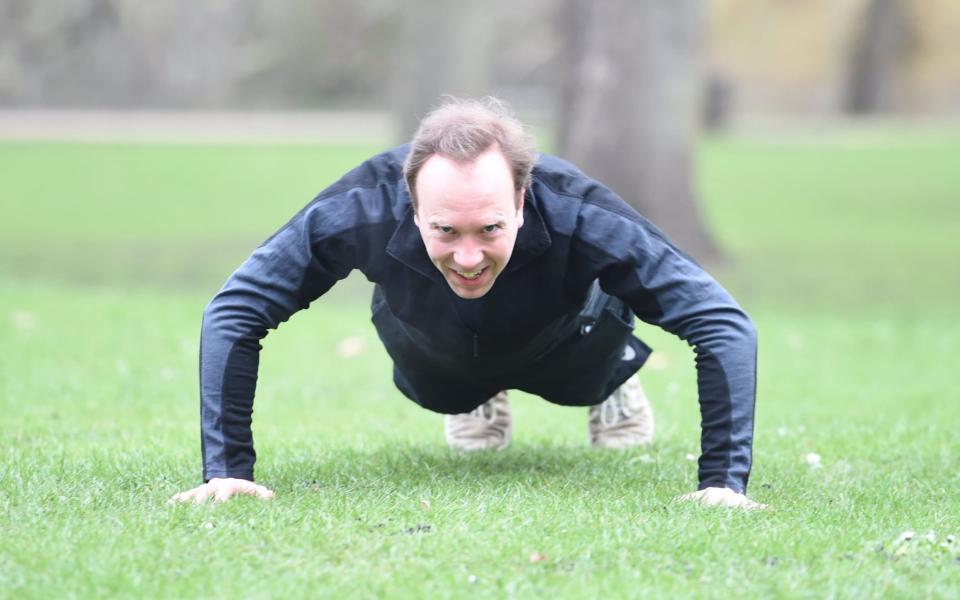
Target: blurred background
x,y
806,151
630,91
750,57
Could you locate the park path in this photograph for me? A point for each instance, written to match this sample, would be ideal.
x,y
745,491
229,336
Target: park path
x,y
300,127
378,128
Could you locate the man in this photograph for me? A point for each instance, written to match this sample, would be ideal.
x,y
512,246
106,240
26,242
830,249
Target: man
x,y
495,269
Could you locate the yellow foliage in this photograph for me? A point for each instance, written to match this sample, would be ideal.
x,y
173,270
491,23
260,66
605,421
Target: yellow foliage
x,y
795,52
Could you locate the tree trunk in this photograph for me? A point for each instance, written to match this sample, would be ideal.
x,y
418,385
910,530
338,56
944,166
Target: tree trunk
x,y
629,107
875,73
445,49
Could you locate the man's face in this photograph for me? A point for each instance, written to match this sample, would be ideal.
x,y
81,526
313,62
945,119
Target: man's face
x,y
468,215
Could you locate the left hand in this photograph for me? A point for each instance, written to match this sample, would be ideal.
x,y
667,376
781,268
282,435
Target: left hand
x,y
717,496
221,489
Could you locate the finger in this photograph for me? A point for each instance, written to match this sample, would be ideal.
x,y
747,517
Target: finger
x,y
223,493
733,501
731,498
705,496
741,501
712,496
247,488
252,489
202,493
184,496
264,493
723,497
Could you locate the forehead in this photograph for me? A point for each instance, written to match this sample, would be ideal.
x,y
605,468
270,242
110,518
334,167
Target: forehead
x,y
485,183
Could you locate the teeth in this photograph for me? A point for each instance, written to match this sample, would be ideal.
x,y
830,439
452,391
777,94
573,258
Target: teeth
x,y
470,274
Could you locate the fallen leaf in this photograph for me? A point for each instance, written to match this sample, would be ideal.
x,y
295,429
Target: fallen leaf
x,y
425,503
536,557
351,346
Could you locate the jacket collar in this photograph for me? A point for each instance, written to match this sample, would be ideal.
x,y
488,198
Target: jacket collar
x,y
406,245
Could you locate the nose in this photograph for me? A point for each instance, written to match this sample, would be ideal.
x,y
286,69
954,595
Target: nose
x,y
468,256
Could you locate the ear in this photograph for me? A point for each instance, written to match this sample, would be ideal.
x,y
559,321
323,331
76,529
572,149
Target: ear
x,y
416,219
520,208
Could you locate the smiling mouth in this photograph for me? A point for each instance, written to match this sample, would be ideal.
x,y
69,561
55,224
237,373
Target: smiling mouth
x,y
470,275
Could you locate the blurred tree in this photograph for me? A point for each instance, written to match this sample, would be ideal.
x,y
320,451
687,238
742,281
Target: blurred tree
x,y
629,106
446,49
875,75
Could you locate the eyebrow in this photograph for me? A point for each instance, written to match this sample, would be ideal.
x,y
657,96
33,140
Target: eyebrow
x,y
439,223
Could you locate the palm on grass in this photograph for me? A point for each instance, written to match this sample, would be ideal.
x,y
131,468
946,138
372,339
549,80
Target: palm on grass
x,y
222,490
717,496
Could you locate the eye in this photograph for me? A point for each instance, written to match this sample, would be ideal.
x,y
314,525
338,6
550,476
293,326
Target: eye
x,y
445,229
491,228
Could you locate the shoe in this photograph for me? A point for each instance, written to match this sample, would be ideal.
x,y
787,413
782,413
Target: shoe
x,y
623,420
487,427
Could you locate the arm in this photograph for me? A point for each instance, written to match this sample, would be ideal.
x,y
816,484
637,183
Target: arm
x,y
285,274
343,228
665,287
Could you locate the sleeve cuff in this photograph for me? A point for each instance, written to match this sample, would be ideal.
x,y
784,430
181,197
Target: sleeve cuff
x,y
248,475
740,489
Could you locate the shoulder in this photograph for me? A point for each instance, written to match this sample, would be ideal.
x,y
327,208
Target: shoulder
x,y
560,176
593,213
374,190
568,185
379,171
372,194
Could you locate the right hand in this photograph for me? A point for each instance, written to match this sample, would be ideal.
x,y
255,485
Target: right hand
x,y
220,489
717,496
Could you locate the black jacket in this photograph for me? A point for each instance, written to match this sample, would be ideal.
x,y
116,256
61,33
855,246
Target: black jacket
x,y
575,231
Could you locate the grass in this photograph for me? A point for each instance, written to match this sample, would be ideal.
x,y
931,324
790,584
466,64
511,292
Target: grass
x,y
845,254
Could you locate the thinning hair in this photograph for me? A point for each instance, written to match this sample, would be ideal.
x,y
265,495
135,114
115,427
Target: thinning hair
x,y
462,130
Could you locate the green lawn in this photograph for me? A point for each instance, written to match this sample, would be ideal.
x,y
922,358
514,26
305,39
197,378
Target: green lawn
x,y
846,251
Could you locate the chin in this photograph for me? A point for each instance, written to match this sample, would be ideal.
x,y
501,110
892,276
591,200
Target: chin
x,y
470,294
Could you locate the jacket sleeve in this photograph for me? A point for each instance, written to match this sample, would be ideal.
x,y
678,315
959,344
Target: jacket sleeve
x,y
285,274
665,287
